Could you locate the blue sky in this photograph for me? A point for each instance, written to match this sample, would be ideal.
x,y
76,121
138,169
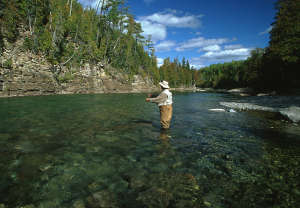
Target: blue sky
x,y
204,31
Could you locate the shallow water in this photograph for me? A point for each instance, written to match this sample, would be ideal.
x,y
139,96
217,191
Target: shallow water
x,y
108,151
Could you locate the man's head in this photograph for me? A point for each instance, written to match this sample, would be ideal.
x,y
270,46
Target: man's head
x,y
164,84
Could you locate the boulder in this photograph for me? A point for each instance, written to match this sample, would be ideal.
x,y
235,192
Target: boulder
x,y
241,90
293,113
247,106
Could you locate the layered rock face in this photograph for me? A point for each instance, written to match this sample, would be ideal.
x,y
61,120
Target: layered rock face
x,y
23,73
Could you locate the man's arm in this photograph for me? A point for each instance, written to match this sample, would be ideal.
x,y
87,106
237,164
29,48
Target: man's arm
x,y
162,97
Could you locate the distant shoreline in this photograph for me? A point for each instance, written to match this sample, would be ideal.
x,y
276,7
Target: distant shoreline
x,y
237,91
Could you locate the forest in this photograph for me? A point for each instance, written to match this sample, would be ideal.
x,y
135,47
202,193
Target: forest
x,y
68,34
275,67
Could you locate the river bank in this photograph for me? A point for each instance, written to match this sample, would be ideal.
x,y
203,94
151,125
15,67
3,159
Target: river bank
x,y
23,73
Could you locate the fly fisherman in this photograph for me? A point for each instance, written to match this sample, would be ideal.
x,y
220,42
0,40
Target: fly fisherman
x,y
164,102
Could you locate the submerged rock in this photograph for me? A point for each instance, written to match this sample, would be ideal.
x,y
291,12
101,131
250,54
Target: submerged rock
x,y
28,206
78,204
102,199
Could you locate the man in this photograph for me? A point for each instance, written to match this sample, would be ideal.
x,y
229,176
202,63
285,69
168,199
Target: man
x,y
164,102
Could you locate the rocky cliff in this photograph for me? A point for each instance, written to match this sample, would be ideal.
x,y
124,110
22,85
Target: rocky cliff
x,y
23,73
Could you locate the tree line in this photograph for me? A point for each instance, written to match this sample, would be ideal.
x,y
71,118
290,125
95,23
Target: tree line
x,y
70,35
274,67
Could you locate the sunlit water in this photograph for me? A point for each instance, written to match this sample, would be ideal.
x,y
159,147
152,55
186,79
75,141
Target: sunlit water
x,y
108,151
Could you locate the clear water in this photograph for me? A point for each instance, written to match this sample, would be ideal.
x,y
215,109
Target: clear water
x,y
108,151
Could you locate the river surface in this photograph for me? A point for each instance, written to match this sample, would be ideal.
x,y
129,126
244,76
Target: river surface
x,y
108,151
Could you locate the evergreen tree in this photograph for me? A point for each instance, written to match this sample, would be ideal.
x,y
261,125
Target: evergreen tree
x,y
282,58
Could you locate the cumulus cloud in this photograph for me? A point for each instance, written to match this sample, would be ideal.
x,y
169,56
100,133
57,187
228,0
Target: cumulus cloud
x,y
231,47
200,42
225,55
156,24
197,66
156,30
160,61
165,46
266,31
234,54
170,20
212,48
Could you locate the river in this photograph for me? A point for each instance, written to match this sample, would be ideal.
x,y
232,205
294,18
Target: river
x,y
107,150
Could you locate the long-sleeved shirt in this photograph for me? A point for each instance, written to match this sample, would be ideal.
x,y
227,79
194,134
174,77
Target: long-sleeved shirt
x,y
161,98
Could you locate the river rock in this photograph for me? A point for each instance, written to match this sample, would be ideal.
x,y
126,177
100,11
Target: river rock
x,y
78,204
293,113
266,94
102,199
247,106
241,90
28,206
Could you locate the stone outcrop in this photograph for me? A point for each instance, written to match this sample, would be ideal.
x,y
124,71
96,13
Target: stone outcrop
x,y
23,73
292,113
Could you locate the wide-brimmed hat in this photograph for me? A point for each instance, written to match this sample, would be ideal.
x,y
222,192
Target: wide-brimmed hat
x,y
164,84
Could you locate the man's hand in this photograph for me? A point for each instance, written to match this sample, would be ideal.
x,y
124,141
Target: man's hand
x,y
147,99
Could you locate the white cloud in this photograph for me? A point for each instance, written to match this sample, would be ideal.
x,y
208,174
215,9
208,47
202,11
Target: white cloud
x,y
197,66
170,20
212,48
93,3
160,61
230,47
156,24
227,55
165,46
201,42
157,31
173,11
266,31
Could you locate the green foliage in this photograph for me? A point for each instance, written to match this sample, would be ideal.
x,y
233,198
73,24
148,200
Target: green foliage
x,y
8,64
227,75
1,42
28,44
9,21
283,54
67,33
285,34
67,77
276,67
179,74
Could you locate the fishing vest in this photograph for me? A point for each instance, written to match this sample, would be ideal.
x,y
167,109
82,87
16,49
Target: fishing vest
x,y
169,99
